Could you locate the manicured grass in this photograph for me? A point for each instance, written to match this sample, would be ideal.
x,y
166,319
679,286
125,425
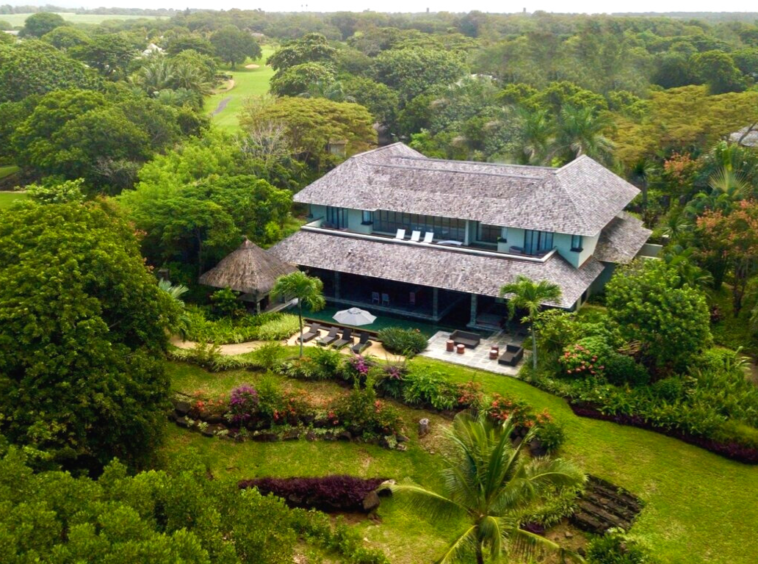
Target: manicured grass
x,y
7,198
8,170
19,19
700,507
247,83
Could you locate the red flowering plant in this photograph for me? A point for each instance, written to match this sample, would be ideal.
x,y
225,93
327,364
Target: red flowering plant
x,y
296,408
470,395
584,359
206,409
520,412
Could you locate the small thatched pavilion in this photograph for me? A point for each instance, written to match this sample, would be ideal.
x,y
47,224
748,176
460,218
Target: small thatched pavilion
x,y
249,270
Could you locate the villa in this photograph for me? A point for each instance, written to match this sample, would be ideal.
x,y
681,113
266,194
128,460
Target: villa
x,y
394,231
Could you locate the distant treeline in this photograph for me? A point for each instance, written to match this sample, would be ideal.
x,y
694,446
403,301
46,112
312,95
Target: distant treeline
x,y
8,9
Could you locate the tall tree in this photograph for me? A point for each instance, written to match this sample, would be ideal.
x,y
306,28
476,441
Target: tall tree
x,y
580,131
84,327
311,48
525,294
489,484
233,45
308,290
42,23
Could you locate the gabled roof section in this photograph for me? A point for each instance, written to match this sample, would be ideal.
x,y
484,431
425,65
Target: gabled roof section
x,y
579,199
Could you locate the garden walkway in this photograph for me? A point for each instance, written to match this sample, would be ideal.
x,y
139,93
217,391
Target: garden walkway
x,y
479,357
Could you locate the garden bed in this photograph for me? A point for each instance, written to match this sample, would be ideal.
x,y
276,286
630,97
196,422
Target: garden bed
x,y
331,494
733,451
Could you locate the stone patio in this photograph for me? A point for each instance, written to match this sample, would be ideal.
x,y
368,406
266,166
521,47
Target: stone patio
x,y
479,357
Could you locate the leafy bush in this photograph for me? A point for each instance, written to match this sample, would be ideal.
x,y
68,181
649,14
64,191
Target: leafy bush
x,y
328,493
549,433
227,330
360,411
283,326
270,397
301,369
327,363
624,370
617,548
425,388
269,355
403,341
226,304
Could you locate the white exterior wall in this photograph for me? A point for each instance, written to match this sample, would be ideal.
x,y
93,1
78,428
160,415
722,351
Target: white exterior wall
x,y
563,243
355,222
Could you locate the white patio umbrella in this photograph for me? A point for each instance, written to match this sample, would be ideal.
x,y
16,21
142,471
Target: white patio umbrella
x,y
354,316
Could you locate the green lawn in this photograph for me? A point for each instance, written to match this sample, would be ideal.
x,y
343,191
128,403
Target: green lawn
x,y
19,19
7,198
700,507
247,83
8,170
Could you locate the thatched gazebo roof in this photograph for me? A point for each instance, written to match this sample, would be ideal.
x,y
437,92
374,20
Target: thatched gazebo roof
x,y
249,270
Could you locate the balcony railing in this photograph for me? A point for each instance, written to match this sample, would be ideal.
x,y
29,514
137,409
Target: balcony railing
x,y
319,226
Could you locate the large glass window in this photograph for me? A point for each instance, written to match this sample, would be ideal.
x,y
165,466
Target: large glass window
x,y
487,233
442,227
537,242
336,217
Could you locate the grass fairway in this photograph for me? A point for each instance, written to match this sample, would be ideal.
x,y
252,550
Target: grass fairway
x,y
700,507
247,83
19,19
7,198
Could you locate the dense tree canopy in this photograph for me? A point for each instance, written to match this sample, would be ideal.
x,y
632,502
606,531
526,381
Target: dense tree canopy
x,y
233,45
39,24
82,334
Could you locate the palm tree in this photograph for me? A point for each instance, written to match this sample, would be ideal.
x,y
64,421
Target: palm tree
x,y
580,132
182,321
308,290
536,131
529,295
492,486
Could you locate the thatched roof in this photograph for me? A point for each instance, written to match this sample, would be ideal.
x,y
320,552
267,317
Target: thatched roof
x,y
433,266
249,269
580,198
622,239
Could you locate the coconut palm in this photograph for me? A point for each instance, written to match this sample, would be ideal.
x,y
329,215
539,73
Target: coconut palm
x,y
308,290
536,131
580,132
493,487
525,294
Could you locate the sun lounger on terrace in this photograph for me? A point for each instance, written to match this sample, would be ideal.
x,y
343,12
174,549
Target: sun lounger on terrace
x,y
400,234
347,338
363,343
330,338
313,332
416,236
428,237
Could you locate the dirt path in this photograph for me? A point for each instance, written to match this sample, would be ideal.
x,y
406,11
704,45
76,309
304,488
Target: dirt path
x,y
252,66
226,350
222,105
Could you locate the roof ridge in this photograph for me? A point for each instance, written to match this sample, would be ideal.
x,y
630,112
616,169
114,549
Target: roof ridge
x,y
479,163
577,209
458,171
384,148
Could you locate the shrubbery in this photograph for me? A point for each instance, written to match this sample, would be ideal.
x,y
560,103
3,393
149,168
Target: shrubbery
x,y
327,493
226,330
403,341
617,548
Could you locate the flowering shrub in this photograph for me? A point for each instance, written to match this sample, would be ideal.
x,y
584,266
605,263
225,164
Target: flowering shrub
x,y
403,341
470,395
296,408
586,358
361,411
243,403
547,431
203,408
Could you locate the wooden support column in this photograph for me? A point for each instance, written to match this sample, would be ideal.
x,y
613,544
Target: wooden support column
x,y
435,303
474,300
336,285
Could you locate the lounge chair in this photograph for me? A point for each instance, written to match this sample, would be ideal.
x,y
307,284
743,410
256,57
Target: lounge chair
x,y
363,343
375,298
512,355
347,338
428,237
416,236
313,332
400,234
330,338
466,338
385,299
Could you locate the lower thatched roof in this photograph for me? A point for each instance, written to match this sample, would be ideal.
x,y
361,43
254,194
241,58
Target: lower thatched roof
x,y
432,266
622,239
249,269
